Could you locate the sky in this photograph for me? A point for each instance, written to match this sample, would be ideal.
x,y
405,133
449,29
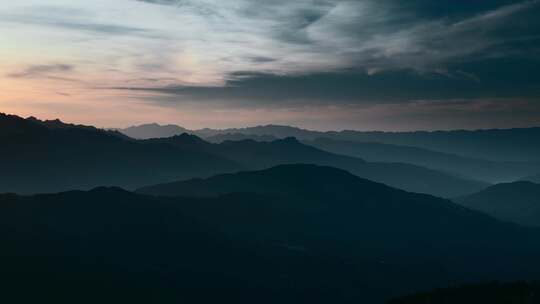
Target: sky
x,y
318,64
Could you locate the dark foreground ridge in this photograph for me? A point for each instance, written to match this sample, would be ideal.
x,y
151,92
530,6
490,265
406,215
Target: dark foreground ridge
x,y
492,293
296,234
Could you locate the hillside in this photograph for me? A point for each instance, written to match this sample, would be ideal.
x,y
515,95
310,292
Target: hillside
x,y
517,202
261,155
474,168
493,293
40,156
294,229
153,130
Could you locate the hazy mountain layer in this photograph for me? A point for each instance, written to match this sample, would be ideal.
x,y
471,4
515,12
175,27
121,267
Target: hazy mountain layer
x,y
495,144
534,178
260,155
517,202
474,168
153,131
52,156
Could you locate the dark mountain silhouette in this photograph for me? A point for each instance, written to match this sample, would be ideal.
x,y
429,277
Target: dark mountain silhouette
x,y
49,156
153,131
473,168
520,144
302,234
261,155
517,202
492,293
219,138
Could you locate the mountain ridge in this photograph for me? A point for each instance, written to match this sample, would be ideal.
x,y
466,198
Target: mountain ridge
x,y
517,202
488,144
340,237
40,158
475,168
261,155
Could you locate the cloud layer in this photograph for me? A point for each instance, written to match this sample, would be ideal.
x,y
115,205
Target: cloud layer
x,y
255,55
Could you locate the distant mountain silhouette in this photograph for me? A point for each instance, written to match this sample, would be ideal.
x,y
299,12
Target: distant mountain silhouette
x,y
517,202
518,145
494,144
153,131
261,155
492,293
50,156
302,234
272,130
473,168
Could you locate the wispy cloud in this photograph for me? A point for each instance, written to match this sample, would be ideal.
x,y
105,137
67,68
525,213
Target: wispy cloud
x,y
71,20
313,36
254,54
49,71
207,42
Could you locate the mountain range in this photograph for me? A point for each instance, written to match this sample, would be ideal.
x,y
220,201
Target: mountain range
x,y
44,156
520,144
260,155
153,131
288,234
474,168
40,156
517,202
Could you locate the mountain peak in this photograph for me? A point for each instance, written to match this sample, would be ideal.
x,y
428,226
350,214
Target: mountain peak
x,y
110,191
153,130
188,138
291,179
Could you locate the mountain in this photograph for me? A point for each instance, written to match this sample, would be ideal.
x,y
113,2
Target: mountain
x,y
472,168
261,155
297,234
40,156
493,293
534,178
276,131
50,156
219,138
517,202
494,144
153,130
515,145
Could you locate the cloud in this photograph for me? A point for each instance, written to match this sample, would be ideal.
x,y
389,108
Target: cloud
x,y
208,42
365,52
514,78
71,20
312,36
50,71
258,54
